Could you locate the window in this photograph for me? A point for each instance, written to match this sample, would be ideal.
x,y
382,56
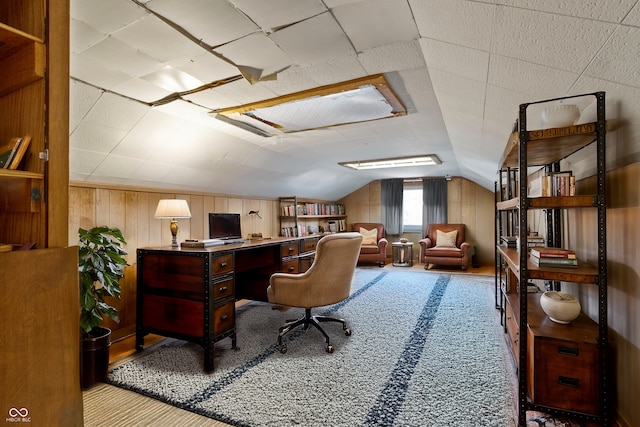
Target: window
x,y
412,207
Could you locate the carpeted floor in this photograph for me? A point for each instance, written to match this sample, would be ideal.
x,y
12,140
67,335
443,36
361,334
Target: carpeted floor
x,y
425,351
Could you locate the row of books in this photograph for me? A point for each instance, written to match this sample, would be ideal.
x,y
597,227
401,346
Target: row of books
x,y
313,209
553,257
334,226
553,184
11,154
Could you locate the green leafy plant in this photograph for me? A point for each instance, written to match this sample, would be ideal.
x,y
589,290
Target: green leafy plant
x,y
101,266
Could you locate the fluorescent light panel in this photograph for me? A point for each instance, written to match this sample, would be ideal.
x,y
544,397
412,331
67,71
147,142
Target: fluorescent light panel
x,y
396,162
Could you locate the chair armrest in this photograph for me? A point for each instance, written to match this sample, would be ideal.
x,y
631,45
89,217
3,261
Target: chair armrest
x,y
382,244
464,247
426,243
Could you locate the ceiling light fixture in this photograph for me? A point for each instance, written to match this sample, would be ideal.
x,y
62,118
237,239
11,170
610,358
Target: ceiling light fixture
x,y
360,100
396,162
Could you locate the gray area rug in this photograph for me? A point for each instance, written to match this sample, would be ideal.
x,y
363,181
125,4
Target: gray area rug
x,y
426,350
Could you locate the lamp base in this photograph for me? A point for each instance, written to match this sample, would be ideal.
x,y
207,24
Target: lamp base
x,y
174,233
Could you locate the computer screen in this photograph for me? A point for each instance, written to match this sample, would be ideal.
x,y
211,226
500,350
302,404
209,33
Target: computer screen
x,y
224,226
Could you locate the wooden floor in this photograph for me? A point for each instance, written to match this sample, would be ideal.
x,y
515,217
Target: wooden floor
x,y
106,405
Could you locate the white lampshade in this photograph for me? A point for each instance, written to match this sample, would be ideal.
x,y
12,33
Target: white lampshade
x,y
173,208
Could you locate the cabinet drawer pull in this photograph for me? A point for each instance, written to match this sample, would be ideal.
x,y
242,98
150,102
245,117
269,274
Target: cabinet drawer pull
x,y
568,381
290,249
223,264
568,351
291,268
224,317
223,289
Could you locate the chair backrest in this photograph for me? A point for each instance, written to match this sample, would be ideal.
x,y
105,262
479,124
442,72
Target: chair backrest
x,y
432,232
369,226
327,281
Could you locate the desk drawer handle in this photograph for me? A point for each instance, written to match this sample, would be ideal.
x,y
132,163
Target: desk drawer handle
x,y
290,249
224,317
223,264
568,351
223,289
291,268
568,381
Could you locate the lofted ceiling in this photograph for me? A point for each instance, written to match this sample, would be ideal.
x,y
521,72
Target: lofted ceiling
x,y
148,76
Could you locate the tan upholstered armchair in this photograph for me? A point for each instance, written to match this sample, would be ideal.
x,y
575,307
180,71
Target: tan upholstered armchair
x,y
374,244
327,281
445,244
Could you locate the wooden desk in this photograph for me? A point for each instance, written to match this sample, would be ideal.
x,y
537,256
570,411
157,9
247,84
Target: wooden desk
x,y
190,293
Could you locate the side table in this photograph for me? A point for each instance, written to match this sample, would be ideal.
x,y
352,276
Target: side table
x,y
402,254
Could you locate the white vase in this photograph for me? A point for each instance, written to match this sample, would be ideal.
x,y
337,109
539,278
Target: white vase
x,y
560,306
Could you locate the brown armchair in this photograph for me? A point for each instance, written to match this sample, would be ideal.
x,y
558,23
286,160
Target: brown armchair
x,y
447,251
372,251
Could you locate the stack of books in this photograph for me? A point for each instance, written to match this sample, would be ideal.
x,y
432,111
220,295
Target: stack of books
x,y
509,241
553,257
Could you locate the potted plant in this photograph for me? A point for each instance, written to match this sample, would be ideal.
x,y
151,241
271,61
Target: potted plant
x,y
101,265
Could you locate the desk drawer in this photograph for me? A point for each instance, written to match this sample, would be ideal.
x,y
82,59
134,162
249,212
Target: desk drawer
x,y
290,266
565,374
185,317
309,245
222,264
289,249
222,288
513,333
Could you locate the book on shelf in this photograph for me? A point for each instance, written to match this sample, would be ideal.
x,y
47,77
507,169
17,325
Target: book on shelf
x,y
8,152
553,262
547,252
561,183
20,152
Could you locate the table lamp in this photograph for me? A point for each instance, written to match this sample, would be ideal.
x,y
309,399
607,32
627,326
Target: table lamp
x,y
173,209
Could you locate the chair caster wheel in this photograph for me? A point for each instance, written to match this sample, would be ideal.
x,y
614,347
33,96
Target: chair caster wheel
x,y
329,348
283,349
347,332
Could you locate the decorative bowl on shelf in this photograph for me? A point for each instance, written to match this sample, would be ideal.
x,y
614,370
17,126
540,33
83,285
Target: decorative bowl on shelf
x,y
560,115
561,307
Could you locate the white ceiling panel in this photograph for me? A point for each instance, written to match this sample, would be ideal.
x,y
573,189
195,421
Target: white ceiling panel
x,y
336,71
117,166
116,112
314,40
465,23
243,92
270,15
619,61
462,61
553,40
83,36
84,98
153,129
85,162
114,54
157,40
95,72
106,16
258,52
392,57
381,22
634,17
152,172
172,79
214,22
95,137
141,90
610,11
206,67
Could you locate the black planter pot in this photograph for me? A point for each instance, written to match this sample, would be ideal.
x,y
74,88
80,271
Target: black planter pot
x,y
94,357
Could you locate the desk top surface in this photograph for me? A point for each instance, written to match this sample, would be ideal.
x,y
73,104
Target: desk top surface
x,y
248,244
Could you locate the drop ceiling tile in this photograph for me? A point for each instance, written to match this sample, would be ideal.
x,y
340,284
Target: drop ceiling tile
x,y
314,40
82,97
95,137
172,79
180,175
91,71
536,80
258,52
207,67
270,15
154,129
336,71
117,166
609,11
460,60
119,56
634,17
617,61
213,22
380,23
141,90
152,172
116,112
106,16
460,22
552,40
244,92
187,111
392,57
85,162
210,99
83,36
291,80
157,39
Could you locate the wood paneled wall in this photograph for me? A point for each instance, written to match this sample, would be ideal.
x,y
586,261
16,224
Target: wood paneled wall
x,y
132,210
